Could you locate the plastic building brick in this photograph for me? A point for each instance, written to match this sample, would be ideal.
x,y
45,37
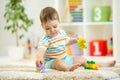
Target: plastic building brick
x,y
81,43
91,65
41,69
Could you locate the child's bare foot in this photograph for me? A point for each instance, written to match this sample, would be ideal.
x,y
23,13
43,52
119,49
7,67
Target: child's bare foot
x,y
73,67
108,63
111,63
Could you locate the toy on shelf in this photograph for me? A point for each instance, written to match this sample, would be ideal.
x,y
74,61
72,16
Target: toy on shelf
x,y
41,69
75,10
98,47
81,43
110,47
91,65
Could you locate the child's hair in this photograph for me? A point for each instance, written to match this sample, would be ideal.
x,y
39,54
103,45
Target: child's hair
x,y
48,13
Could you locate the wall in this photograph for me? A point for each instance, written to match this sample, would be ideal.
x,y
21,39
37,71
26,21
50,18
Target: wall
x,y
32,8
116,29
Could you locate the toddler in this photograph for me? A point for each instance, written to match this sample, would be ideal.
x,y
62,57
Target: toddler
x,y
52,47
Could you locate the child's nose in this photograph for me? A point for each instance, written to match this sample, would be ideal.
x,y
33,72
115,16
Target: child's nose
x,y
52,30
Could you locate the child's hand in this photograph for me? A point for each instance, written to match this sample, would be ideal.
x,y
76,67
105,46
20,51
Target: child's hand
x,y
39,61
39,57
79,36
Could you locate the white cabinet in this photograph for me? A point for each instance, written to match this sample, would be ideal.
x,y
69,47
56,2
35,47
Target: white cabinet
x,y
89,29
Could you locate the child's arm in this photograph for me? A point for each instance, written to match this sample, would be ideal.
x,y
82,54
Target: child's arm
x,y
39,57
72,41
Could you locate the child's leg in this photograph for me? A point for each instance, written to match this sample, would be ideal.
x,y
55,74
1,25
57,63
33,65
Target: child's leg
x,y
82,61
109,63
58,64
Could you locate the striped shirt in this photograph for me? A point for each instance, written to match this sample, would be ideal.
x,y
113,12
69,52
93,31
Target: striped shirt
x,y
55,47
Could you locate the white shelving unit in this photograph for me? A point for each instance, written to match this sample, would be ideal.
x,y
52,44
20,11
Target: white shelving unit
x,y
93,30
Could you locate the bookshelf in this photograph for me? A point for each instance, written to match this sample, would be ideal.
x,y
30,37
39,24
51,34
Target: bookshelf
x,y
91,30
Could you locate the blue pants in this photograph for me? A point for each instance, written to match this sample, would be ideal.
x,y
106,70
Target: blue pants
x,y
68,60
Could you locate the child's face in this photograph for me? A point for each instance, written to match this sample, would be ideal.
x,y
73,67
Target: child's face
x,y
51,28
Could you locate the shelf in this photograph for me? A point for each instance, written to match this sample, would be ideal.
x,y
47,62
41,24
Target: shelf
x,y
90,30
72,24
87,23
99,23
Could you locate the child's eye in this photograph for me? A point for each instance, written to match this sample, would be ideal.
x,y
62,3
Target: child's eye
x,y
47,28
54,26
